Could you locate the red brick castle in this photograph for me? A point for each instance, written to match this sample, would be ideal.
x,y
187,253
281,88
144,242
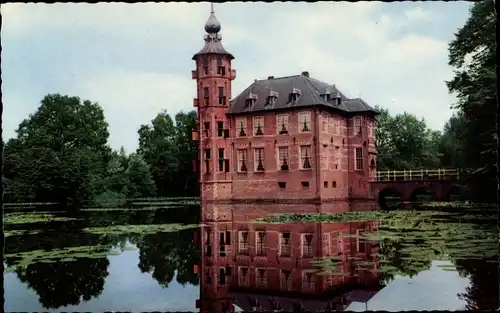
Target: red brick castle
x,y
282,138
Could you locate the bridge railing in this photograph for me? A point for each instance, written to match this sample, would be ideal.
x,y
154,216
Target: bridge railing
x,y
402,175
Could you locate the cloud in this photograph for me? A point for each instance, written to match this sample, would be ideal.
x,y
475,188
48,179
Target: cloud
x,y
135,59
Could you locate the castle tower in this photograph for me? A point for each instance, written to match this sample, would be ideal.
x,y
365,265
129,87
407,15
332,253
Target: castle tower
x,y
213,77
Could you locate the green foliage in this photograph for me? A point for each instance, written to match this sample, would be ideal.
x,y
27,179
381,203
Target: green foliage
x,y
405,142
167,147
472,54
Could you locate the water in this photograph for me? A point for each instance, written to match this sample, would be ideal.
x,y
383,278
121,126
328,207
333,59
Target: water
x,y
161,260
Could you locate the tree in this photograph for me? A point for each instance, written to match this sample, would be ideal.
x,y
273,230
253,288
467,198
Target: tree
x,y
60,151
405,142
140,180
472,54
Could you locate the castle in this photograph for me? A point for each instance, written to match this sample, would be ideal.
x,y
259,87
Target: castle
x,y
283,138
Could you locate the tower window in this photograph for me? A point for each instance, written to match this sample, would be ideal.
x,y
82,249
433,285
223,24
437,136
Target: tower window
x,y
221,160
358,155
221,70
206,128
219,60
356,127
222,98
220,129
205,94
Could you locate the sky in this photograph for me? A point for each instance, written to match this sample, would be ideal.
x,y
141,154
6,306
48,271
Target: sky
x,y
135,59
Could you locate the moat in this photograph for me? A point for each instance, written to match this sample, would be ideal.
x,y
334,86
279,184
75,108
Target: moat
x,y
167,260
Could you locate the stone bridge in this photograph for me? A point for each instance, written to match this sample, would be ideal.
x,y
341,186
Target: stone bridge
x,y
407,184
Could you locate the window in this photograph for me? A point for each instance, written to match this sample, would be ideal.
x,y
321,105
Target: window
x,y
305,184
219,60
271,100
259,159
206,128
304,122
261,277
260,246
241,127
325,184
243,277
258,126
221,70
242,156
220,129
336,126
361,243
370,129
249,103
221,160
282,124
282,184
285,244
334,184
356,127
283,158
205,92
286,280
358,154
323,125
306,244
207,154
243,242
222,98
305,157
307,281
205,66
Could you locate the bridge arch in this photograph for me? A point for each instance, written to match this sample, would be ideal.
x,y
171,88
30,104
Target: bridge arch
x,y
389,204
423,191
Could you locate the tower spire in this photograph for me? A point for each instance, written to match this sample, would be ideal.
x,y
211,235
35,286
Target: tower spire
x,y
212,7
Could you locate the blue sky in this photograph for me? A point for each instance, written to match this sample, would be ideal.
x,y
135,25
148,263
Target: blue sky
x,y
135,59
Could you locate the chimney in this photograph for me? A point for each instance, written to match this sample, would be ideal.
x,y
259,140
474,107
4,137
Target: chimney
x,y
306,74
270,77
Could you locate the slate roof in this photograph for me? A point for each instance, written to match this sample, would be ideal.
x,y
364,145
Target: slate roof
x,y
311,95
213,45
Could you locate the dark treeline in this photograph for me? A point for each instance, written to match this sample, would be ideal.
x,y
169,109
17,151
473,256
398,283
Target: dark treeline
x,y
61,152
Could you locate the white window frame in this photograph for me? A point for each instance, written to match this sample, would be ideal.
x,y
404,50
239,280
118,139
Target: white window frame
x,y
278,159
241,154
307,284
256,160
304,117
263,282
241,242
303,246
240,121
257,243
280,120
302,157
256,122
358,166
243,280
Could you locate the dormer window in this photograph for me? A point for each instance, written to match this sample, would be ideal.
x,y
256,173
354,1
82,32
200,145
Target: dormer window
x,y
294,96
250,100
258,126
272,98
338,99
326,95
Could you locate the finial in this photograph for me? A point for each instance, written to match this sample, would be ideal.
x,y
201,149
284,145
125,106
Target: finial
x,y
212,26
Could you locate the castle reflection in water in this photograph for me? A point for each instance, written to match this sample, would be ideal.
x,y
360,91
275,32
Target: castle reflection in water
x,y
267,267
